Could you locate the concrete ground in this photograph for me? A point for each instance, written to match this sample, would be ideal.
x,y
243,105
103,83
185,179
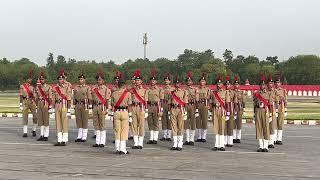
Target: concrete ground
x,y
25,158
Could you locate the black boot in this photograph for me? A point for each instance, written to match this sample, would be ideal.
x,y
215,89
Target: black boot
x,y
150,142
25,135
57,144
155,142
34,133
40,138
45,139
95,145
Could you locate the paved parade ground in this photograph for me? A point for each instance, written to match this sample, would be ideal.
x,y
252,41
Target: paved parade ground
x,y
25,158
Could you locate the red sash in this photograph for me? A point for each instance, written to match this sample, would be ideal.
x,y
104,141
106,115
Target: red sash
x,y
123,95
142,101
45,97
60,93
264,101
176,98
216,95
102,100
28,90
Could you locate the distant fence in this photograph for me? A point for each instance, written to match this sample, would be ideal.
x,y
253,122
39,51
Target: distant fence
x,y
292,90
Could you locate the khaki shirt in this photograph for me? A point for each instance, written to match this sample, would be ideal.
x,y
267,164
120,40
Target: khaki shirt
x,y
193,94
103,90
82,92
24,93
154,94
142,92
225,95
65,90
239,98
181,94
116,94
204,93
166,92
281,96
47,90
266,95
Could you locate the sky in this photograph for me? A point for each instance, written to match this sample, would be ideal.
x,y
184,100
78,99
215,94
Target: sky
x,y
105,30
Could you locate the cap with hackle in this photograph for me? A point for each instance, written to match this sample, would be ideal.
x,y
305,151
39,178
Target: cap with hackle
x,y
219,79
153,75
99,74
81,75
177,80
133,76
167,77
42,75
270,80
61,74
118,75
227,80
263,80
189,76
138,75
236,80
203,77
278,79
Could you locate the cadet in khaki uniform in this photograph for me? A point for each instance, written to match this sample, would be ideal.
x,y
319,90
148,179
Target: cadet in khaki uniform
x,y
130,86
221,103
139,111
100,103
262,115
203,106
165,119
281,109
178,114
121,101
62,102
154,108
228,131
273,123
44,101
192,111
239,109
82,103
27,102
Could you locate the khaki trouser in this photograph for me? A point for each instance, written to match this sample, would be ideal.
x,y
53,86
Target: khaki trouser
x,y
81,116
228,131
121,125
153,118
238,121
177,122
43,114
202,121
273,124
165,121
28,104
137,121
262,124
98,118
280,119
61,118
218,121
190,123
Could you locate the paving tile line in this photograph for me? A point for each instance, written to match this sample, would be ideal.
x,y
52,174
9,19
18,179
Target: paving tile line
x,y
223,172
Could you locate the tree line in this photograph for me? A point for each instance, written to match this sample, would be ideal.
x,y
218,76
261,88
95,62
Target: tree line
x,y
301,69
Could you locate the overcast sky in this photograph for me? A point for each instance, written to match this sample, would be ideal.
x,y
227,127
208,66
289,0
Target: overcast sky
x,y
113,29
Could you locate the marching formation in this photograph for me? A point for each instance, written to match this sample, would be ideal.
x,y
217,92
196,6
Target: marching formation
x,y
183,110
